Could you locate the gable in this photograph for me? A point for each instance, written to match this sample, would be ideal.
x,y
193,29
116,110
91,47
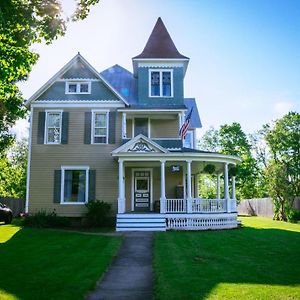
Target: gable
x,y
79,70
140,144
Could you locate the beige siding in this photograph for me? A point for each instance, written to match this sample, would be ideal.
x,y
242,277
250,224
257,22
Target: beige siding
x,y
47,158
164,128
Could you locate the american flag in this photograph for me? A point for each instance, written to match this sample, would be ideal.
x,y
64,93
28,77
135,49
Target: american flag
x,y
184,128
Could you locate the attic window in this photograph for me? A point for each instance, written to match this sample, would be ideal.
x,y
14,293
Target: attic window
x,y
78,87
160,83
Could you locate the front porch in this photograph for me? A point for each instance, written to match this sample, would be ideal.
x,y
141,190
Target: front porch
x,y
158,189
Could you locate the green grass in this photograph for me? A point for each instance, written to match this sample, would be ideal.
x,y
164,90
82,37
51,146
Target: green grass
x,y
259,261
47,264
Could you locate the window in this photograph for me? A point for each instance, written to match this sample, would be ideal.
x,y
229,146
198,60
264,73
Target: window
x,y
53,127
189,140
161,83
141,126
78,87
100,127
74,185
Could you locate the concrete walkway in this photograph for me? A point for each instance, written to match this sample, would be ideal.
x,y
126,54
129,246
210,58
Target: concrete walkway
x,y
130,276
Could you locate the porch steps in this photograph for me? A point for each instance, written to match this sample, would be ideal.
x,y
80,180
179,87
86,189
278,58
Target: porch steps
x,y
141,222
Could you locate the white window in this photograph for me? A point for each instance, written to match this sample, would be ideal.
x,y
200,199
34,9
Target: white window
x,y
78,87
161,83
53,126
74,185
189,140
99,127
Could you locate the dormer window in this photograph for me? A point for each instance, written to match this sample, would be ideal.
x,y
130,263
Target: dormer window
x,y
160,83
78,87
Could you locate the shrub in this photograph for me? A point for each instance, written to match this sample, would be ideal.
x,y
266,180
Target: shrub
x,y
42,219
98,214
294,216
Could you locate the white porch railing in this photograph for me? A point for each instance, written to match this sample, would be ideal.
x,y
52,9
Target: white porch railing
x,y
198,205
176,206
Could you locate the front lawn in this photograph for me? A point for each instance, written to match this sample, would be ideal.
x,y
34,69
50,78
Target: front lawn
x,y
47,264
259,261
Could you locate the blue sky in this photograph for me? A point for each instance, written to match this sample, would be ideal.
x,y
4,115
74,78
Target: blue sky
x,y
244,54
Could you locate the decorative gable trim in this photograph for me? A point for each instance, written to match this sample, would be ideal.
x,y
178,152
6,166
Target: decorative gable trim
x,y
65,69
140,144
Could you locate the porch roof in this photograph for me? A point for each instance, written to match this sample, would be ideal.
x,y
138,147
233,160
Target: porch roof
x,y
142,148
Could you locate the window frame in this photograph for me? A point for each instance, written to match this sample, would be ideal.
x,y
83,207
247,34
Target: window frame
x,y
62,185
78,83
99,111
160,83
192,133
47,112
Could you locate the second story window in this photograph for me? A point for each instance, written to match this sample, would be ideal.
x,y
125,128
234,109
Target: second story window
x,y
78,87
53,127
189,140
100,127
161,83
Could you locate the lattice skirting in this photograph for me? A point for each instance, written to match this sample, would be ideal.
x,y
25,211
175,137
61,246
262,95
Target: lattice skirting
x,y
201,222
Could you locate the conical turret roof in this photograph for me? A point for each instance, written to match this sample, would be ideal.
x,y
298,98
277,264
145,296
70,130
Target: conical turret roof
x,y
160,44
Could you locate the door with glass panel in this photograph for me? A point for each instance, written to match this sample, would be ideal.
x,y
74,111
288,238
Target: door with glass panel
x,y
142,191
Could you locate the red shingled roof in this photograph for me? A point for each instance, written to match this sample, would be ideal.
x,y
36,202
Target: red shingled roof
x,y
160,44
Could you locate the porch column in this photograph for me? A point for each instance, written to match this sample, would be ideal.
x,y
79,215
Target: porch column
x,y
121,199
189,186
124,133
218,186
162,187
226,189
233,194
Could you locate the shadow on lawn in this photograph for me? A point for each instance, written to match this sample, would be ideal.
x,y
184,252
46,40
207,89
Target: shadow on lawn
x,y
194,263
39,264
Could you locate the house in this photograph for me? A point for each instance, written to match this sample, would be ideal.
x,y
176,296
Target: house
x,y
114,136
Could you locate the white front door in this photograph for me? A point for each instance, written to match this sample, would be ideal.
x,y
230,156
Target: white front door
x,y
142,190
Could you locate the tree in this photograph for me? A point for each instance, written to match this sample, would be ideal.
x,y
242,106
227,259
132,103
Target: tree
x,y
22,23
13,168
283,170
230,139
210,140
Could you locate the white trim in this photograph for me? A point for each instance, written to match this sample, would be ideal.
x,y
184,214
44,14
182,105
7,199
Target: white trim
x,y
28,161
78,84
167,139
151,186
77,79
161,59
86,104
171,156
46,142
133,141
160,71
101,111
160,65
150,110
62,184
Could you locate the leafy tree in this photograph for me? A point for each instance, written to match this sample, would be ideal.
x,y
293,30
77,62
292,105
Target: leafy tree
x,y
283,171
22,23
230,139
210,140
13,168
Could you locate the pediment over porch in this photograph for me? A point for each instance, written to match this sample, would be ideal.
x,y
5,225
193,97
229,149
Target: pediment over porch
x,y
140,144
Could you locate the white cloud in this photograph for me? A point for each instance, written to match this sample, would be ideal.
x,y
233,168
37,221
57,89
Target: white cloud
x,y
21,129
282,107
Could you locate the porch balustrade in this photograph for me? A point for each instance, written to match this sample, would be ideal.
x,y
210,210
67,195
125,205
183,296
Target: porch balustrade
x,y
198,205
